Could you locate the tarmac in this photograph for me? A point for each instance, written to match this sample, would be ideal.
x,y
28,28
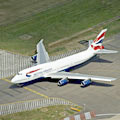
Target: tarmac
x,y
101,97
113,118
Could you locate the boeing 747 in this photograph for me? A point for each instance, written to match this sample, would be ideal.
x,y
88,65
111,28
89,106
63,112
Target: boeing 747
x,y
57,69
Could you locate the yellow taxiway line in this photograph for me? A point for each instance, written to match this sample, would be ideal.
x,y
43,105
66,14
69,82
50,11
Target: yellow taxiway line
x,y
33,91
5,79
28,89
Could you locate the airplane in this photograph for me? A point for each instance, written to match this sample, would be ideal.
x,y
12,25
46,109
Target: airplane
x,y
58,69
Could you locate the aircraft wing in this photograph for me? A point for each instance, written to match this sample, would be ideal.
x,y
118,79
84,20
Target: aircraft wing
x,y
42,55
69,75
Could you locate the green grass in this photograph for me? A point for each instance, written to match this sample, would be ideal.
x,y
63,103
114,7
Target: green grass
x,y
113,27
17,10
72,43
47,113
56,23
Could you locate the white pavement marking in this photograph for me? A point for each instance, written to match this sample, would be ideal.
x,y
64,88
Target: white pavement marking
x,y
77,117
110,114
87,116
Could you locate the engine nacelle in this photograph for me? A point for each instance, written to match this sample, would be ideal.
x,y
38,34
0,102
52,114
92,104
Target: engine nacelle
x,y
86,82
63,81
34,58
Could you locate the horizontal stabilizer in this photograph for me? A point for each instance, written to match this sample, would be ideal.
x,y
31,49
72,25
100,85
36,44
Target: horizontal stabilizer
x,y
102,51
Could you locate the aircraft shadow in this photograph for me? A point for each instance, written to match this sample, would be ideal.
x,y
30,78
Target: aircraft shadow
x,y
93,83
79,82
96,58
29,83
101,84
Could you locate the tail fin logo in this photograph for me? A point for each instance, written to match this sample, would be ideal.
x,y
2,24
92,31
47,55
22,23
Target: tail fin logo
x,y
100,37
97,43
97,47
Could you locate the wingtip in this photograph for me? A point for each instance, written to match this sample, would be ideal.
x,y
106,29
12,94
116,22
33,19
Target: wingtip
x,y
41,40
104,30
116,51
113,79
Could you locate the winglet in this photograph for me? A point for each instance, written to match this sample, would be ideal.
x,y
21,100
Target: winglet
x,y
42,54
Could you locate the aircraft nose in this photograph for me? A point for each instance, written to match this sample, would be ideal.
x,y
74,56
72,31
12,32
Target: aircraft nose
x,y
15,79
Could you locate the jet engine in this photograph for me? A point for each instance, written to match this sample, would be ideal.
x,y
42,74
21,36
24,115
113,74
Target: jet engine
x,y
86,82
63,81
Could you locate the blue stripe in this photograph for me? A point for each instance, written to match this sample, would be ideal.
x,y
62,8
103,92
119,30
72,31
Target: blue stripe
x,y
99,41
28,75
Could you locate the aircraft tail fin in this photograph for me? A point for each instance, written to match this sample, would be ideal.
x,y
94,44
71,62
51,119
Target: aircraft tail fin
x,y
99,39
42,54
96,45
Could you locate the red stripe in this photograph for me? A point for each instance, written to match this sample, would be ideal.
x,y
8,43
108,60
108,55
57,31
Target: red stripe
x,y
102,35
32,71
98,47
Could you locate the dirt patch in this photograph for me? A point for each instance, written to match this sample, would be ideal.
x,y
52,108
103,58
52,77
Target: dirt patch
x,y
44,109
25,37
63,114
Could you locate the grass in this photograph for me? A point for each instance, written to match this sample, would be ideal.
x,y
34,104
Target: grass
x,y
47,113
72,43
54,23
17,10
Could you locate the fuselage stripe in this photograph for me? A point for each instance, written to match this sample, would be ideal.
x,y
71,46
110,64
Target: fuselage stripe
x,y
27,74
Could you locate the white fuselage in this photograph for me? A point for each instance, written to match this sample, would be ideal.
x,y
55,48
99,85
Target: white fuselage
x,y
43,70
